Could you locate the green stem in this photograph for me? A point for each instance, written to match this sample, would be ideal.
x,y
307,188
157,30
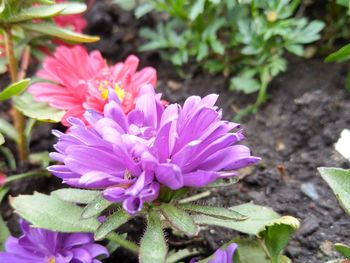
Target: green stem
x,y
16,177
123,242
262,94
18,118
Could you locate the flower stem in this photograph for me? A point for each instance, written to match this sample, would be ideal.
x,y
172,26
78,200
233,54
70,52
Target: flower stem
x,y
18,118
16,177
114,237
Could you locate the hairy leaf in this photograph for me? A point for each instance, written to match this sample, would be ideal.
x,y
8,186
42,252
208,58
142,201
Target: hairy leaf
x,y
153,246
78,196
179,219
98,205
49,212
112,222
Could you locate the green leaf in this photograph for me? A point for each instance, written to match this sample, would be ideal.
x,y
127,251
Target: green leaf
x,y
340,55
223,213
4,231
2,139
35,12
258,216
143,9
113,221
126,5
153,246
8,130
296,49
245,84
78,196
49,212
97,206
196,9
59,32
343,249
14,89
250,251
339,181
179,219
174,257
37,110
71,8
277,234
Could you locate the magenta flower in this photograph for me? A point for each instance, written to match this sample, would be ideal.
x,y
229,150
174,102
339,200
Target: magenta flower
x,y
38,245
78,81
129,156
222,255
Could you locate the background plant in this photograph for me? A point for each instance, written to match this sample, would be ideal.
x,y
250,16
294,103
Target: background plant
x,y
243,40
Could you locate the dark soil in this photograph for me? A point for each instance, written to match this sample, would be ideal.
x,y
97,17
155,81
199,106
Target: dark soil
x,y
294,133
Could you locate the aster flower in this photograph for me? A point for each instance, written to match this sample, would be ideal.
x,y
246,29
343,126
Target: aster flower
x,y
222,255
45,246
129,156
79,81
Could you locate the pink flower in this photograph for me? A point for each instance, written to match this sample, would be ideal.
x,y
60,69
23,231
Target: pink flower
x,y
80,81
2,178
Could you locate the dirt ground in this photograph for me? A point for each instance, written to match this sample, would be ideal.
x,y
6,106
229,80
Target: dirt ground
x,y
294,133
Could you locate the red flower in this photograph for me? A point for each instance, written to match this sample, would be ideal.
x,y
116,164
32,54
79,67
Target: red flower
x,y
80,81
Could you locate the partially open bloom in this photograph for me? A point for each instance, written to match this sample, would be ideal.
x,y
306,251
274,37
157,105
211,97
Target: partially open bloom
x,y
129,156
79,81
222,255
38,245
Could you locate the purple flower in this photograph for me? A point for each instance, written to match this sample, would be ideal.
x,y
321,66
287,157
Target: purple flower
x,y
221,255
38,245
130,156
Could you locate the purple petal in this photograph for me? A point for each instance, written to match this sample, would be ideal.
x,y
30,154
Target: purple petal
x,y
199,178
169,175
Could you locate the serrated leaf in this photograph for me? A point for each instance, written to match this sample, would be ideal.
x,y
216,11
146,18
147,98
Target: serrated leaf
x,y
276,235
35,12
340,55
49,212
179,219
37,110
59,32
153,246
71,8
339,181
14,89
97,206
343,249
258,216
78,196
2,139
223,213
112,222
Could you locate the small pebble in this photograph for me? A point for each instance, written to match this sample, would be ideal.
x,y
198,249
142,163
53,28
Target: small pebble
x,y
310,191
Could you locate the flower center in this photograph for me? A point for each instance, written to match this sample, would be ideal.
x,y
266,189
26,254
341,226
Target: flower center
x,y
51,260
103,87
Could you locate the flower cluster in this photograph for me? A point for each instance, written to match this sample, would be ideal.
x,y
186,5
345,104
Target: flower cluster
x,y
77,81
131,155
45,246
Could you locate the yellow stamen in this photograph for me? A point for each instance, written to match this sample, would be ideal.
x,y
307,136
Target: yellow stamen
x,y
119,91
52,260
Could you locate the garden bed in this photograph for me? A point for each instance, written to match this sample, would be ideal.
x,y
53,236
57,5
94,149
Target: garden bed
x,y
294,133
